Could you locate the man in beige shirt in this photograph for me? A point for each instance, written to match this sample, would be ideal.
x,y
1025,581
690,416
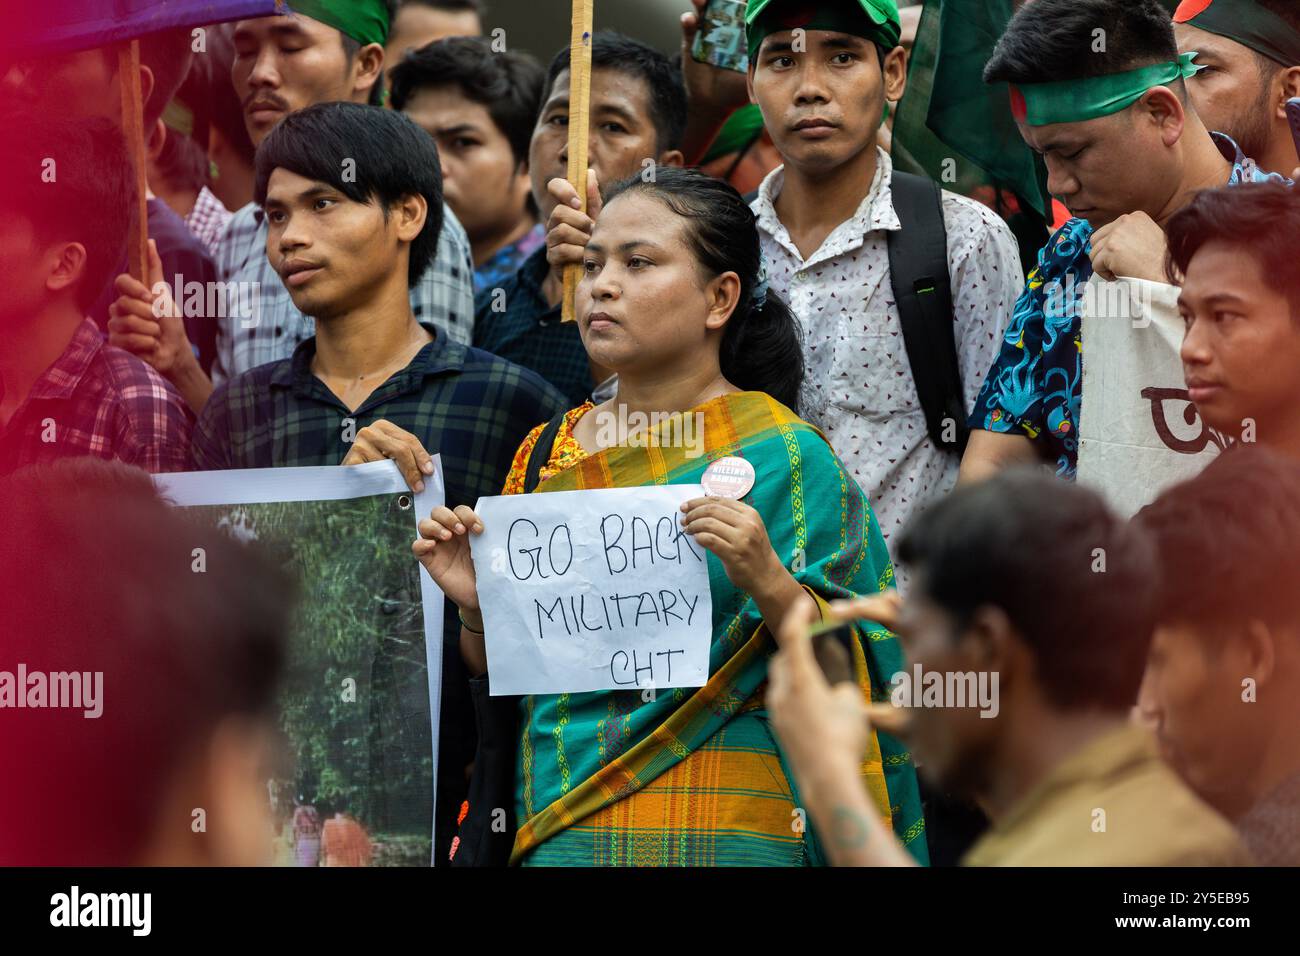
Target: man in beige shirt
x,y
1024,637
1112,803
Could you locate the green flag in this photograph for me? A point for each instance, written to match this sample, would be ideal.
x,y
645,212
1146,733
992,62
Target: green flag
x,y
958,130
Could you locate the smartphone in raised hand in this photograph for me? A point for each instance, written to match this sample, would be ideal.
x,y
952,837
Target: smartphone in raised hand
x,y
833,647
720,40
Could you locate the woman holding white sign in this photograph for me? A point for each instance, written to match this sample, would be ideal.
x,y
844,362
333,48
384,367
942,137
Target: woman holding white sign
x,y
674,300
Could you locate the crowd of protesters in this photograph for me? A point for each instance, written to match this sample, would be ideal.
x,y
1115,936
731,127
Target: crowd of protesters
x,y
380,190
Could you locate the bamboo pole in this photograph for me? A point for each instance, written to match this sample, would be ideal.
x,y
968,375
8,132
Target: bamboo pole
x,y
128,76
579,122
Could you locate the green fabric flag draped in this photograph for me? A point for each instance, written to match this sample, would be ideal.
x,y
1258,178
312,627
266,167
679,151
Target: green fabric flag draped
x,y
958,130
741,130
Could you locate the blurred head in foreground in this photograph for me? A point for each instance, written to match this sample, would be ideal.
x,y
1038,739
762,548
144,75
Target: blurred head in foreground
x,y
1051,596
1223,679
145,650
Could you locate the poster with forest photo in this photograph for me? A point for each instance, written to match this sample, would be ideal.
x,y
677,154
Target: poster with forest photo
x,y
354,779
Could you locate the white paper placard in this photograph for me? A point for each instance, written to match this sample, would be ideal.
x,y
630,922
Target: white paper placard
x,y
592,590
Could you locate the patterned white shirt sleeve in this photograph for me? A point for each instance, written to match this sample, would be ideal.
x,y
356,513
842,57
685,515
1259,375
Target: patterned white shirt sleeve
x,y
987,278
270,327
858,387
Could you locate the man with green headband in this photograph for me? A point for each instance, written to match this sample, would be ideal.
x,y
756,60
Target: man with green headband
x,y
1250,51
1107,109
821,73
320,51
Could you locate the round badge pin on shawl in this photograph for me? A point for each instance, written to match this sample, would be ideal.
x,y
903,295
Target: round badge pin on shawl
x,y
729,477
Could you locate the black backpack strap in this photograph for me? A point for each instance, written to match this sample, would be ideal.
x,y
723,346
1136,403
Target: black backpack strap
x,y
918,272
541,453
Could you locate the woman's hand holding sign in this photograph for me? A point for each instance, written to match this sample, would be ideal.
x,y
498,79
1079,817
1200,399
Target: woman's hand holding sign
x,y
443,549
735,533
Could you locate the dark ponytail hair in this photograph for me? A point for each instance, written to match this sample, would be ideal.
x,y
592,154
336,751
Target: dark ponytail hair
x,y
761,350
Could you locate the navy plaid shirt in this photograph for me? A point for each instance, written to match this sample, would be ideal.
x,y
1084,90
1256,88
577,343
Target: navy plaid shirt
x,y
472,408
99,401
514,320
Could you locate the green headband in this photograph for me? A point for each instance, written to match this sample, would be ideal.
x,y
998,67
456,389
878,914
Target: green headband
x,y
874,20
366,21
1073,101
1245,22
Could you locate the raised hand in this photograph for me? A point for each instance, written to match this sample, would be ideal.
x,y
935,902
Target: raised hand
x,y
149,325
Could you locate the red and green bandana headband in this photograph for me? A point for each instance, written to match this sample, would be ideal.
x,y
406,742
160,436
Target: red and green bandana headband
x,y
1074,101
1245,22
366,21
874,20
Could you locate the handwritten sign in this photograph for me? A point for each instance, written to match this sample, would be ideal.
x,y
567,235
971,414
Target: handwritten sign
x,y
592,590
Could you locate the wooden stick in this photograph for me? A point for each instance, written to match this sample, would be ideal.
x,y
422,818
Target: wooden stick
x,y
128,75
579,121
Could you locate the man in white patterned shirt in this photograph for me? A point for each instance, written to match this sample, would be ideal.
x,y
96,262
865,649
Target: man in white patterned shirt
x,y
328,50
820,73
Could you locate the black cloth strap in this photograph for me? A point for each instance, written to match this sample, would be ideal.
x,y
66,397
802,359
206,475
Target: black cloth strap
x,y
541,453
918,272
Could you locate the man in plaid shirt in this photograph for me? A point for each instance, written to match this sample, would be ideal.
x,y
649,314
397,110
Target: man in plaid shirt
x,y
374,382
64,392
283,64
